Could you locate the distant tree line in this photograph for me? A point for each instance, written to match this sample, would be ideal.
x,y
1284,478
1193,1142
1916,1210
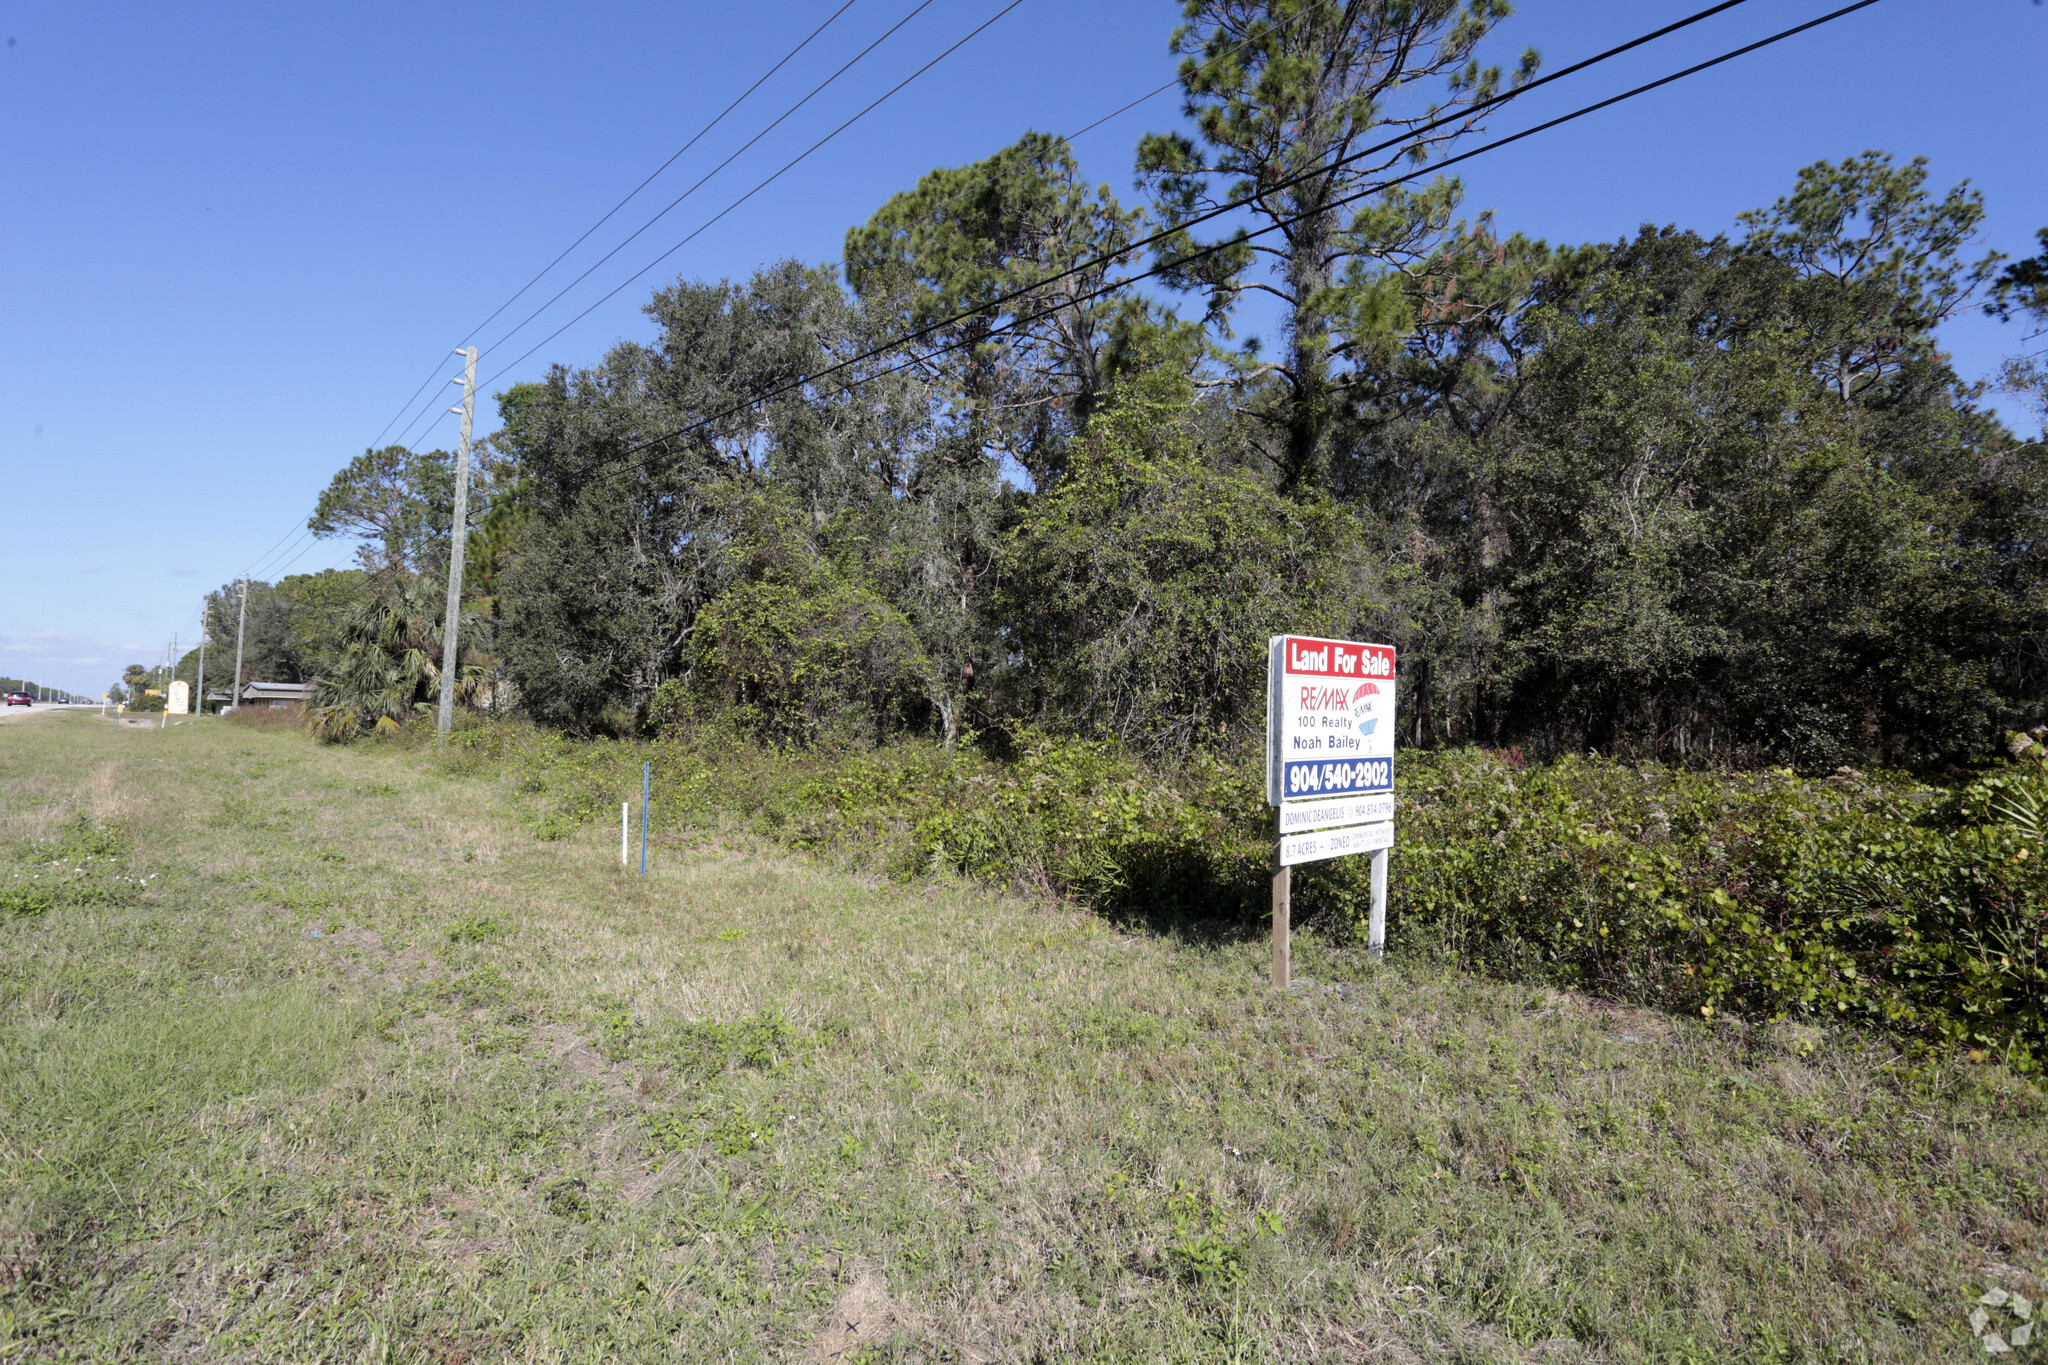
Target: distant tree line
x,y
1683,495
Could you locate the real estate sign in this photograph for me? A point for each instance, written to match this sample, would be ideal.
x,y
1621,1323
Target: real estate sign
x,y
1329,767
1329,719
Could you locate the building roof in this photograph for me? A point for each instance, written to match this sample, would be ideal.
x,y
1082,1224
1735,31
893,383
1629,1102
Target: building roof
x,y
274,691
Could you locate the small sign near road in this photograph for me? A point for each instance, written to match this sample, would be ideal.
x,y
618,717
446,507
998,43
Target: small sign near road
x,y
1329,767
1335,843
1299,816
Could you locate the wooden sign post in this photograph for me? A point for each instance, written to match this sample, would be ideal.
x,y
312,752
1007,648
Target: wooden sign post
x,y
1283,926
1329,768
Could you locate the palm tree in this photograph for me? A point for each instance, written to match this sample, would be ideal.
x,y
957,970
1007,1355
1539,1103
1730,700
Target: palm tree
x,y
390,664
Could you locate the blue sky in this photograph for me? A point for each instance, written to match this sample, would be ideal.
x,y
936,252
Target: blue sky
x,y
236,237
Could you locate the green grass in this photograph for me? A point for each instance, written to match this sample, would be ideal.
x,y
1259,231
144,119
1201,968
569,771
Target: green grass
x,y
319,1054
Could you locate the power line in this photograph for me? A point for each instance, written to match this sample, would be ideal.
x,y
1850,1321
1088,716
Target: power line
x,y
776,122
742,149
1067,137
402,407
728,207
1465,112
1211,250
279,570
693,141
274,548
702,227
1233,49
1228,52
643,184
304,532
1121,253
782,170
1150,94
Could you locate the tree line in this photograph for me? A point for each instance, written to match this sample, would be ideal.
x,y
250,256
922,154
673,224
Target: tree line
x,y
1708,494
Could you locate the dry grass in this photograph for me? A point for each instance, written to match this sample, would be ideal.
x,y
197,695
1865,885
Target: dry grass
x,y
361,1072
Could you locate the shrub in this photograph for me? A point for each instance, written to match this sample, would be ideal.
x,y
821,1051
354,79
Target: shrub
x,y
1763,894
793,661
277,719
1082,819
1877,899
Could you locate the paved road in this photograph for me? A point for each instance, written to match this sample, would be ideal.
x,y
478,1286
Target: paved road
x,y
42,709
147,720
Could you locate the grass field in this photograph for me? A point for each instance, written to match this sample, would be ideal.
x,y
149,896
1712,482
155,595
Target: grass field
x,y
316,1054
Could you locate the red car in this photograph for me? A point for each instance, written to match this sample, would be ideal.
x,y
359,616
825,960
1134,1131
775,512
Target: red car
x,y
20,699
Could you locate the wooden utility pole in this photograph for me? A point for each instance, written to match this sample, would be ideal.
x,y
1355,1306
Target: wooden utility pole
x,y
458,535
241,620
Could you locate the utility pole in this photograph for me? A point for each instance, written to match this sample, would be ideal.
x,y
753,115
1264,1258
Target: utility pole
x,y
200,709
241,620
458,534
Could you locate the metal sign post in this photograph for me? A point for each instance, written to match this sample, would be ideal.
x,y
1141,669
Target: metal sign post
x,y
1329,768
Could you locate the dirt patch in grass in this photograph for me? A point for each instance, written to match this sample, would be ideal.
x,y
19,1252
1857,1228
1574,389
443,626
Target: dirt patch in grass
x,y
863,1315
566,1046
